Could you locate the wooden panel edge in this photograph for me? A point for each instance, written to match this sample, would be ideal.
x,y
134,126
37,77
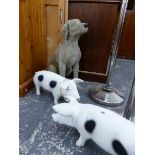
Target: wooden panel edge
x,y
95,1
89,77
66,11
25,87
49,2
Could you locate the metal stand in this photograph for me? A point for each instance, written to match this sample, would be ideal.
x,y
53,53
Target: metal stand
x,y
106,94
129,112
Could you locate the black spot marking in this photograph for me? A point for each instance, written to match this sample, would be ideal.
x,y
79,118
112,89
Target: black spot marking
x,y
90,125
40,78
118,147
63,99
53,84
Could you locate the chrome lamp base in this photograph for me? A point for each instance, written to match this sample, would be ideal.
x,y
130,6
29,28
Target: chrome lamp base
x,y
106,96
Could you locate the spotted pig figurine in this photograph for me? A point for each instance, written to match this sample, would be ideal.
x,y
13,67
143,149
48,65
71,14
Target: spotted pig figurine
x,y
56,84
112,132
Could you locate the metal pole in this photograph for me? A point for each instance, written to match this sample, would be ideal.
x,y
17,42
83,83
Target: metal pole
x,y
105,94
116,41
130,107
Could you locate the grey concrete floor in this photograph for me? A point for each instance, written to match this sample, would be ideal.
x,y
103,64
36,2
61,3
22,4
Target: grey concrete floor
x,y
39,135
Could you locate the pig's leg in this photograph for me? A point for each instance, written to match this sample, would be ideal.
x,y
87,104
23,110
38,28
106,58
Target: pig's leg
x,y
62,119
55,99
81,141
37,89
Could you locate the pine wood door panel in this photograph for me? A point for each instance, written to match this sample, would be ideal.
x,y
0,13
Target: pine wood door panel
x,y
36,25
32,47
55,18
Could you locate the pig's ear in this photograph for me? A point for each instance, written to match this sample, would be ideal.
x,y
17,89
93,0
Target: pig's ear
x,y
77,80
64,87
64,109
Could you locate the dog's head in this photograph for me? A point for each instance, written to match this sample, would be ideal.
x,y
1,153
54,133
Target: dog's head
x,y
74,28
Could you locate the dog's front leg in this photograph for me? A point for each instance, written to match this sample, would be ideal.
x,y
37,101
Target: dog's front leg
x,y
76,70
62,69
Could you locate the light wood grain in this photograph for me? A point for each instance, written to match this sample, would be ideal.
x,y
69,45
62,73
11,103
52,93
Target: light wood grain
x,y
54,24
38,21
32,41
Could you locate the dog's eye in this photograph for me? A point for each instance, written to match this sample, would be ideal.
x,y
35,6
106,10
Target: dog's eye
x,y
67,89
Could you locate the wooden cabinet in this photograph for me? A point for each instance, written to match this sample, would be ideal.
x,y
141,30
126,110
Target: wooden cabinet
x,y
40,22
102,17
127,42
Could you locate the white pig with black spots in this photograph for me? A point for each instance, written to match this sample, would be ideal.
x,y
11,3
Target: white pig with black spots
x,y
112,132
56,84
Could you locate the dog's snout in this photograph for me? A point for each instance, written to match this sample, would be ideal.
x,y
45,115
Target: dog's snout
x,y
85,24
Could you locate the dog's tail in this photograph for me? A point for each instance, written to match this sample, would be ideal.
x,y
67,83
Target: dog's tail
x,y
52,68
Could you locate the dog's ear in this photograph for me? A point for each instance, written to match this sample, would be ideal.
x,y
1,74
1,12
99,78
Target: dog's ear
x,y
65,31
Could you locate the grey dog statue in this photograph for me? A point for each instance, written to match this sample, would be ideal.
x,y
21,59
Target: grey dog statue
x,y
67,55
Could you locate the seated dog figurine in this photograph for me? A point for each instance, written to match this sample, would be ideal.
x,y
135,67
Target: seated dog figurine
x,y
110,131
67,56
56,84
